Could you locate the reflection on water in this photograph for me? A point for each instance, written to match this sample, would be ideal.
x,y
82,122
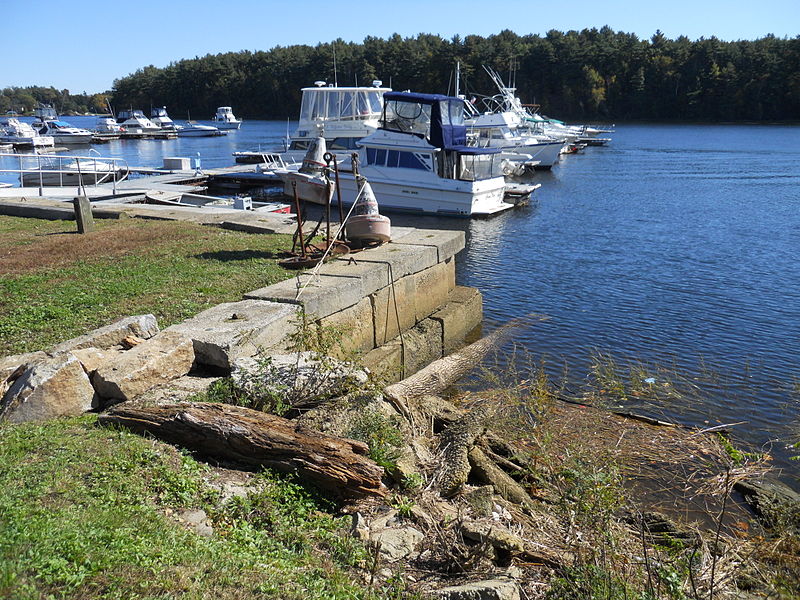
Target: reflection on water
x,y
674,249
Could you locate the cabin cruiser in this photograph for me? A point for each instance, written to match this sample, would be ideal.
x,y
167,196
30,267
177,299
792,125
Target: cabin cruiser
x,y
342,115
19,133
160,117
418,161
506,130
225,119
105,124
134,121
62,132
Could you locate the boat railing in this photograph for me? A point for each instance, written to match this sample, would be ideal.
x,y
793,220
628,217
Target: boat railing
x,y
86,167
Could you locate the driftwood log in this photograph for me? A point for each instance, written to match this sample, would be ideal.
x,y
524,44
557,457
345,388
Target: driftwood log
x,y
337,466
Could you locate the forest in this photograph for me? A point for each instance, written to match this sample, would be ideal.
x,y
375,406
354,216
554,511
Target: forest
x,y
593,74
23,100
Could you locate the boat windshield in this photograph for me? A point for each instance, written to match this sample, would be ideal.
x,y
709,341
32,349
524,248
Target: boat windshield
x,y
160,112
59,124
321,104
408,117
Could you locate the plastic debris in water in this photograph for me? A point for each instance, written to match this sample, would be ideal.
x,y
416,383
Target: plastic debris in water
x,y
650,380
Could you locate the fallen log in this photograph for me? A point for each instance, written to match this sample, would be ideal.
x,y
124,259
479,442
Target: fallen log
x,y
337,466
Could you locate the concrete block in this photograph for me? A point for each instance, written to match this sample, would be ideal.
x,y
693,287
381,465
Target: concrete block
x,y
460,315
432,287
231,330
385,362
385,313
423,345
403,259
356,327
54,387
143,326
162,358
372,275
446,242
322,296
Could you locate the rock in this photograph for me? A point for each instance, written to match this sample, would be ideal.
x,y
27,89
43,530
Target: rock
x,y
492,533
775,503
93,358
177,390
54,387
142,326
485,471
359,528
162,358
10,364
492,589
396,543
196,520
480,500
233,330
301,379
131,341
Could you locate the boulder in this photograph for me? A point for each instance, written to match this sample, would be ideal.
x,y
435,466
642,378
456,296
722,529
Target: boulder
x,y
54,387
776,504
162,358
10,364
492,589
142,326
494,534
93,358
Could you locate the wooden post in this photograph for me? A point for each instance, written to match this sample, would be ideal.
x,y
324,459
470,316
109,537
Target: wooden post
x,y
83,214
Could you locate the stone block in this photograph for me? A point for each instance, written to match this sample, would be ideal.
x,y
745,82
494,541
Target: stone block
x,y
9,364
403,259
460,315
433,287
492,589
162,358
447,243
143,326
355,329
322,296
385,362
54,387
232,330
423,345
92,359
373,275
388,303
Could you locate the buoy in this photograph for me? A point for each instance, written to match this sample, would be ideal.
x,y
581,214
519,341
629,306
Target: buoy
x,y
366,224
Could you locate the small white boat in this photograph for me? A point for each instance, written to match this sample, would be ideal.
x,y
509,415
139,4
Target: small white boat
x,y
63,133
160,117
105,124
194,129
19,133
134,121
225,119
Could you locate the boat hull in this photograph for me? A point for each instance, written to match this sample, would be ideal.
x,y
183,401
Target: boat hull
x,y
227,124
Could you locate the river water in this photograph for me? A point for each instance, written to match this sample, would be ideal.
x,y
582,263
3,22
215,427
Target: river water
x,y
674,249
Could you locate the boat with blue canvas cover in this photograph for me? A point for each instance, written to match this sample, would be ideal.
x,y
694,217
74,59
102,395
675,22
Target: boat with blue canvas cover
x,y
418,161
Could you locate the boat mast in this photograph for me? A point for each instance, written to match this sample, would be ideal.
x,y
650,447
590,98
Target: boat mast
x,y
458,77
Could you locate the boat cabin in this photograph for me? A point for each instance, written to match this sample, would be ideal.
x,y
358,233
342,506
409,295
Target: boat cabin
x,y
45,112
124,115
437,138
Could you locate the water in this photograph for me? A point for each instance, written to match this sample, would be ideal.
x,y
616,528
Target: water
x,y
675,247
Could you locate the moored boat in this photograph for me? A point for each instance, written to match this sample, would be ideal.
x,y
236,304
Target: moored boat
x,y
225,119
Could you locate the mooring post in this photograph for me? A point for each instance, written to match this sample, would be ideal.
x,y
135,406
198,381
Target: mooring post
x,y
83,214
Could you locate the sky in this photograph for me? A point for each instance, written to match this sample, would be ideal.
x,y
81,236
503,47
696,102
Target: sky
x,y
83,46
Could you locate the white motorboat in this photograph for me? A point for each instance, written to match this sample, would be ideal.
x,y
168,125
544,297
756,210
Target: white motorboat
x,y
225,119
342,115
160,117
134,121
194,129
105,124
506,130
19,133
418,161
62,132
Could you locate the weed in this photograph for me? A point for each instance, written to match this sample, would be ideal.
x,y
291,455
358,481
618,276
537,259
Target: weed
x,y
403,505
382,436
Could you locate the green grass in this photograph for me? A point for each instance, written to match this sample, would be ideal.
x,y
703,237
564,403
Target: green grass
x,y
67,284
83,514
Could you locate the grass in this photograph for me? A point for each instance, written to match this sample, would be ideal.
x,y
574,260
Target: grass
x,y
84,513
56,284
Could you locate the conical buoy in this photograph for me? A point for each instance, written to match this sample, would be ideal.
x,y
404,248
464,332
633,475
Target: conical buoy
x,y
366,224
314,160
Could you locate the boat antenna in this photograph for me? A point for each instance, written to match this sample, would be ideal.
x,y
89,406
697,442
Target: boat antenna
x,y
335,76
458,76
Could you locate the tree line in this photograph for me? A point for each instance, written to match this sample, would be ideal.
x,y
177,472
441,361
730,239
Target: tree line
x,y
23,100
593,74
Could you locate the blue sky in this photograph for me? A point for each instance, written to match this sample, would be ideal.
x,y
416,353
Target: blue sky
x,y
83,46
